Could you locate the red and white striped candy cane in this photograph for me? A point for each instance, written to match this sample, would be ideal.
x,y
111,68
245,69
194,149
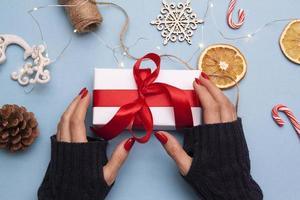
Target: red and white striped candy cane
x,y
241,15
290,115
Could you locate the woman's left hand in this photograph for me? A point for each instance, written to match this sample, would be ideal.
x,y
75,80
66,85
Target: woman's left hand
x,y
71,129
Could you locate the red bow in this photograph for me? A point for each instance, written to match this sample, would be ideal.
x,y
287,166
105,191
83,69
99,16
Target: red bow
x,y
138,111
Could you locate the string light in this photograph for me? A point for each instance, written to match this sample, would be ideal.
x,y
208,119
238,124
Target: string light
x,y
99,38
122,64
124,50
201,45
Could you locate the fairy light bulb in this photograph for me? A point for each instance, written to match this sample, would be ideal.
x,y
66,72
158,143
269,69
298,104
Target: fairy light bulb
x,y
211,5
122,64
249,35
201,45
35,8
158,47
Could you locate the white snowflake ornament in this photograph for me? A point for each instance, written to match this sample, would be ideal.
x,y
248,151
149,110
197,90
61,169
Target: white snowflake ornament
x,y
177,22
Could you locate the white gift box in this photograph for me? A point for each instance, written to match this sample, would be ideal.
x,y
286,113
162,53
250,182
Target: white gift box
x,y
123,79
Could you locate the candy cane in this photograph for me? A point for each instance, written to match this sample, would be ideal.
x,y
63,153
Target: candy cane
x,y
290,115
241,15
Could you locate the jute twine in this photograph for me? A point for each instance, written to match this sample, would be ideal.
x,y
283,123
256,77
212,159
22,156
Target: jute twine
x,y
83,14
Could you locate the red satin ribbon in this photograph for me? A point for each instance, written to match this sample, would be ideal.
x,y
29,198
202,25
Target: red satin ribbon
x,y
138,111
118,98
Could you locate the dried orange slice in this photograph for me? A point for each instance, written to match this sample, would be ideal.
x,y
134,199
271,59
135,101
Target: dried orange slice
x,y
290,41
224,61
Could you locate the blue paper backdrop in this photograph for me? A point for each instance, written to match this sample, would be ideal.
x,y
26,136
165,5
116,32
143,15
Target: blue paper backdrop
x,y
149,173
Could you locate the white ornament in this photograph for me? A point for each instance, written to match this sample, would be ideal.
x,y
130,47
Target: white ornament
x,y
177,22
6,40
31,72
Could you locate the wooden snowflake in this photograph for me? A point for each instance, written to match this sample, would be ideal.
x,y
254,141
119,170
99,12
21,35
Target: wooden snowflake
x,y
177,22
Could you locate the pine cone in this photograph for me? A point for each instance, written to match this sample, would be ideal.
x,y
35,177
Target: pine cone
x,y
18,128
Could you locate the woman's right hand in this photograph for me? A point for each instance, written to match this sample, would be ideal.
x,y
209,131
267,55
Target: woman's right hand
x,y
215,158
216,108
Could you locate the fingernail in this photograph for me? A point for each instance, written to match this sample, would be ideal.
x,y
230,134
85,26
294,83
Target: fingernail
x,y
129,143
204,75
161,137
81,91
84,93
197,81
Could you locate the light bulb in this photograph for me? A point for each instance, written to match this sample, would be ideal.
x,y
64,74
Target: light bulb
x,y
201,45
249,35
35,8
211,5
122,64
158,47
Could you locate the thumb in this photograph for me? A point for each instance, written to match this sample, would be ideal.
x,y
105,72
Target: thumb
x,y
175,151
119,155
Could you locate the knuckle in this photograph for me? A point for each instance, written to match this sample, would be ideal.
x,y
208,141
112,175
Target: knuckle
x,y
119,157
110,179
173,150
75,121
64,118
109,175
214,107
228,106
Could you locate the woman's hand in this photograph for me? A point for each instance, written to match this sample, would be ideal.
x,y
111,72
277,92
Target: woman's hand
x,y
71,129
216,108
215,158
79,168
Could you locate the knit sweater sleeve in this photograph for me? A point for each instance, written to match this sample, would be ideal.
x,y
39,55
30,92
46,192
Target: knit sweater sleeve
x,y
75,171
221,166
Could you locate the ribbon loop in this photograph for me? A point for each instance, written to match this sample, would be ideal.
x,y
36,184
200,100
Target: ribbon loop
x,y
138,112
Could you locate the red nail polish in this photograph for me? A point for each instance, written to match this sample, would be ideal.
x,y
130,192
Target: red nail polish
x,y
197,81
84,93
204,75
161,137
81,91
129,143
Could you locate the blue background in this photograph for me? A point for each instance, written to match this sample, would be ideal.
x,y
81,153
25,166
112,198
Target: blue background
x,y
149,172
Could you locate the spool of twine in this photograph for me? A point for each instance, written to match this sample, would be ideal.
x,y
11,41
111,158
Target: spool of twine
x,y
83,14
